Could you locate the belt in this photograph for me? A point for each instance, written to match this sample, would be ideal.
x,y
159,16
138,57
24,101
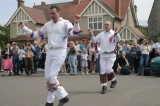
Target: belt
x,y
108,52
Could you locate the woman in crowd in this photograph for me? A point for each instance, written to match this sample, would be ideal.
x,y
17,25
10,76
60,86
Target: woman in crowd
x,y
136,54
21,54
7,64
92,58
72,58
145,49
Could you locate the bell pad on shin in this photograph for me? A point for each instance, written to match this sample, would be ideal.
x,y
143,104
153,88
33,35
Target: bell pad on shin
x,y
52,87
110,76
103,78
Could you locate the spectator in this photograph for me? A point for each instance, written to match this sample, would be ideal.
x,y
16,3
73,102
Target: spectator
x,y
29,58
7,64
43,56
98,51
15,58
72,58
21,54
157,47
92,58
36,56
78,59
145,49
84,58
123,65
136,54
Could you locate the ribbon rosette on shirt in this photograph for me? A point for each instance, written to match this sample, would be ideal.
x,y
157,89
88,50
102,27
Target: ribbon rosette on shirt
x,y
112,38
41,35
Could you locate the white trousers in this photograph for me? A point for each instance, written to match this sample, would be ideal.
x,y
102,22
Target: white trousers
x,y
54,60
107,62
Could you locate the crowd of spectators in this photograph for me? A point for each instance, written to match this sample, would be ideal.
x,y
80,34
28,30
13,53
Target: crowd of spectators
x,y
132,57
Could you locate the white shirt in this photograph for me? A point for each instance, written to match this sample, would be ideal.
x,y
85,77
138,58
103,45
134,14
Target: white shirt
x,y
157,46
21,53
144,49
57,33
77,47
106,44
84,56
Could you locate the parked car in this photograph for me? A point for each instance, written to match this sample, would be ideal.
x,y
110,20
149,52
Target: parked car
x,y
155,65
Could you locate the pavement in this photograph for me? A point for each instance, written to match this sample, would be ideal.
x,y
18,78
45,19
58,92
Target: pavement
x,y
84,90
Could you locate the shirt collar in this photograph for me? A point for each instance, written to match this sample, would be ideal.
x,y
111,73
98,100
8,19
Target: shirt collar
x,y
60,19
109,31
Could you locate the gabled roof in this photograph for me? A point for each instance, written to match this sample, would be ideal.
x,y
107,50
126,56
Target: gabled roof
x,y
40,13
69,9
36,14
134,30
111,4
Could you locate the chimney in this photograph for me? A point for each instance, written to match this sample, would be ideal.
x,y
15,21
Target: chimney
x,y
76,1
118,7
20,3
43,3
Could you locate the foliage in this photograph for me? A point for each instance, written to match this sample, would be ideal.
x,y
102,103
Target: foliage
x,y
135,7
144,30
4,36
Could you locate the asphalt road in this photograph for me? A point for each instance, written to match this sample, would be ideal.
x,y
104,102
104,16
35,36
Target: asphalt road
x,y
84,90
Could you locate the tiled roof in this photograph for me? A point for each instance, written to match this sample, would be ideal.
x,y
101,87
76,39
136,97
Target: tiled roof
x,y
137,32
68,9
40,13
36,14
111,5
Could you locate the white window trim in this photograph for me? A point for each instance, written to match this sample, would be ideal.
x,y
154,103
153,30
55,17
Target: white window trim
x,y
97,19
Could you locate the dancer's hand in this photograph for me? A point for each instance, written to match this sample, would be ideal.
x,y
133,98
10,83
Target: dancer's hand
x,y
90,31
77,18
21,24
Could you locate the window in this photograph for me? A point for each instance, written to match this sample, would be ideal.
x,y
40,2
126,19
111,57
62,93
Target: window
x,y
95,23
20,31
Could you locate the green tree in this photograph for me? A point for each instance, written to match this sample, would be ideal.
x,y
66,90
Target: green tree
x,y
144,30
4,36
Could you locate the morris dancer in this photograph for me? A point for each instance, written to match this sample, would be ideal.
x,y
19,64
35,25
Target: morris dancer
x,y
57,31
108,40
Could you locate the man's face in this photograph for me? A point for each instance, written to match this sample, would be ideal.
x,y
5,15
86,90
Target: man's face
x,y
54,14
108,26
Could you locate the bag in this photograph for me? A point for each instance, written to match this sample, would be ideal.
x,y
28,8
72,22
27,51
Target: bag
x,y
147,71
125,71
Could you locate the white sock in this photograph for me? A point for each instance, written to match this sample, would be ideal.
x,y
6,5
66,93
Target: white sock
x,y
104,84
114,79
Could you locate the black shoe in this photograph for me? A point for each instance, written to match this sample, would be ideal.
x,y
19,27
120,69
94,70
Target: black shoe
x,y
104,90
113,84
10,74
63,101
49,104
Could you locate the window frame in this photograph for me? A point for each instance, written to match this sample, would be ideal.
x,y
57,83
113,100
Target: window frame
x,y
93,22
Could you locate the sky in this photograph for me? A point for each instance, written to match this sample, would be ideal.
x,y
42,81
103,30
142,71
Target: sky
x,y
6,11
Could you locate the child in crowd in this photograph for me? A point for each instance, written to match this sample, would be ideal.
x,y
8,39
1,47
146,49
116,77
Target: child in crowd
x,y
84,58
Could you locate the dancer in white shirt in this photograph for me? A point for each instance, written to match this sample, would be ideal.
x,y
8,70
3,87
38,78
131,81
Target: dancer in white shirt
x,y
108,40
57,31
